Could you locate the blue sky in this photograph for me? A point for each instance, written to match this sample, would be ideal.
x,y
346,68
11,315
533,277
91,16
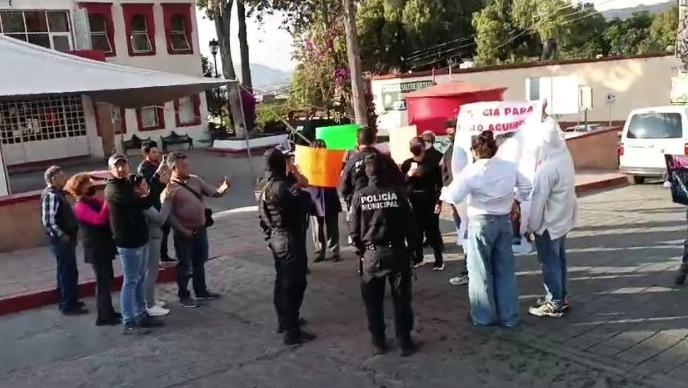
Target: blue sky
x,y
269,45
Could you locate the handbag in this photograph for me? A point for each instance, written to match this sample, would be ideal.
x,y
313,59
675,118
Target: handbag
x,y
209,221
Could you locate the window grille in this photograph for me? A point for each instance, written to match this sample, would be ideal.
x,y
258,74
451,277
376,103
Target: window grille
x,y
41,119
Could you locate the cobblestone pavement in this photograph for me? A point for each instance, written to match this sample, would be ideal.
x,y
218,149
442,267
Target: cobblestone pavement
x,y
626,328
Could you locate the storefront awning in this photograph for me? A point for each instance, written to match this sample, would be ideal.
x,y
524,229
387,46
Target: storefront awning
x,y
28,70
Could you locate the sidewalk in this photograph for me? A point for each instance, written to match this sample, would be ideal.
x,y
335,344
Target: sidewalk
x,y
27,279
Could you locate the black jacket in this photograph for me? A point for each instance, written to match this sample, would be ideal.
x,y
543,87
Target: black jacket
x,y
127,221
433,155
355,178
97,241
381,215
282,206
148,170
429,179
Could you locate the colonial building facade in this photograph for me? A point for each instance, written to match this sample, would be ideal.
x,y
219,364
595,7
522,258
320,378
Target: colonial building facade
x,y
148,34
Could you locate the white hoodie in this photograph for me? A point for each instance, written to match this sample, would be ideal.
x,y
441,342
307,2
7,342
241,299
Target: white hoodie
x,y
554,203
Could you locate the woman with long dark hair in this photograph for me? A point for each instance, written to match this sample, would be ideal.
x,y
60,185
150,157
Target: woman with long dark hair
x,y
99,249
494,188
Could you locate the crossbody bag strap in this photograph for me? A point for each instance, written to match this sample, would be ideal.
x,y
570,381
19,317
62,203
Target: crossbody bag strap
x,y
197,195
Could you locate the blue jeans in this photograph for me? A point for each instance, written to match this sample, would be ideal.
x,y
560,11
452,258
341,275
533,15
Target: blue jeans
x,y
552,255
67,273
132,299
492,288
192,253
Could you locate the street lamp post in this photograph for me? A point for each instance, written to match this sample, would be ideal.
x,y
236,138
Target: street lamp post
x,y
214,47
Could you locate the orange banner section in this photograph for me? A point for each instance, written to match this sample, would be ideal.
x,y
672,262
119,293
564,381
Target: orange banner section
x,y
321,166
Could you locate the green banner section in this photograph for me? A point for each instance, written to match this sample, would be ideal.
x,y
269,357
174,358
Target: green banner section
x,y
338,137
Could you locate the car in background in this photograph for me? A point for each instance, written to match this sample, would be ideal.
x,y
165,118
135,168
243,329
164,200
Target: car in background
x,y
648,135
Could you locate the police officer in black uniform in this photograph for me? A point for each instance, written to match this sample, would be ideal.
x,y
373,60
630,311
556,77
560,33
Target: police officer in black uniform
x,y
354,177
283,207
383,233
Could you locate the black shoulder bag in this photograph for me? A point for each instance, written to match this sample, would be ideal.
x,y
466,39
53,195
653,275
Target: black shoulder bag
x,y
209,221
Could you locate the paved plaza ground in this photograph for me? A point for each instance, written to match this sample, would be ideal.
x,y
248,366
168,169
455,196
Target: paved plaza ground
x,y
627,327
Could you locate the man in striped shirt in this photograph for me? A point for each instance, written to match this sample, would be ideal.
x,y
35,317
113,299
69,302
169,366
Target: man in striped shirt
x,y
62,229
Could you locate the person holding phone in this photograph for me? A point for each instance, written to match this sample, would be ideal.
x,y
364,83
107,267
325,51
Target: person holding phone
x,y
150,169
424,185
190,219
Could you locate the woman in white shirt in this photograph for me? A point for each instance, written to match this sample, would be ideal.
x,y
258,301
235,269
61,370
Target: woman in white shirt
x,y
488,184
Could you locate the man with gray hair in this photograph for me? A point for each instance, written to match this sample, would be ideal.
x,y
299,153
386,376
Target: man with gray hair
x,y
62,229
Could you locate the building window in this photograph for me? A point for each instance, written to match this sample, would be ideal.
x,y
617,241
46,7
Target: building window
x,y
178,39
188,111
99,36
140,40
40,119
150,118
101,26
140,28
533,89
49,29
178,28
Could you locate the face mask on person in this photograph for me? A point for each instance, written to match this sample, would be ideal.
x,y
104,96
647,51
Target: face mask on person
x,y
428,146
91,191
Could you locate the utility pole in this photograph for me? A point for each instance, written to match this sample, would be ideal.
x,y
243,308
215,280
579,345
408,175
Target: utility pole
x,y
354,56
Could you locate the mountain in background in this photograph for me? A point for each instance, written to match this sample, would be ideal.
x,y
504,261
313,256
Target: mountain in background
x,y
266,78
624,13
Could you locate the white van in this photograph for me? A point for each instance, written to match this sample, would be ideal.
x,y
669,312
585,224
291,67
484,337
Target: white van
x,y
648,135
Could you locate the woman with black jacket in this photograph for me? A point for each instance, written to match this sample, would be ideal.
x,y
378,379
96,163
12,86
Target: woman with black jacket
x,y
99,249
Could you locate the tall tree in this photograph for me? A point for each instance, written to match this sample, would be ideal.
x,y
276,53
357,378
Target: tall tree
x,y
626,37
243,46
358,89
220,11
496,37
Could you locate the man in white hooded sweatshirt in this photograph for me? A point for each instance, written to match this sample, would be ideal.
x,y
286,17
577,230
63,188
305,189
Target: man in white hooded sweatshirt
x,y
552,216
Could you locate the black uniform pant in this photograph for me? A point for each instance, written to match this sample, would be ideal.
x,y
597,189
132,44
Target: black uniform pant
x,y
290,278
373,292
428,224
102,267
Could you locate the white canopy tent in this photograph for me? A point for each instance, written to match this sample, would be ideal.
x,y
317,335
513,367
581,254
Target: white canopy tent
x,y
28,70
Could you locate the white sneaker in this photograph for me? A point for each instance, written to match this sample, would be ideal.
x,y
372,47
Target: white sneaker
x,y
157,311
459,280
160,303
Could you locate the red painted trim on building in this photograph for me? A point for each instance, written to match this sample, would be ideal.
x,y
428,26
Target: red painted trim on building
x,y
104,10
161,120
94,55
169,11
145,10
196,101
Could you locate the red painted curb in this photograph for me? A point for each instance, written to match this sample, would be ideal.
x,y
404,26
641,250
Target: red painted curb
x,y
32,300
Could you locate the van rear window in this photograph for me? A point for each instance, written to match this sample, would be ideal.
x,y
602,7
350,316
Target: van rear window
x,y
655,126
